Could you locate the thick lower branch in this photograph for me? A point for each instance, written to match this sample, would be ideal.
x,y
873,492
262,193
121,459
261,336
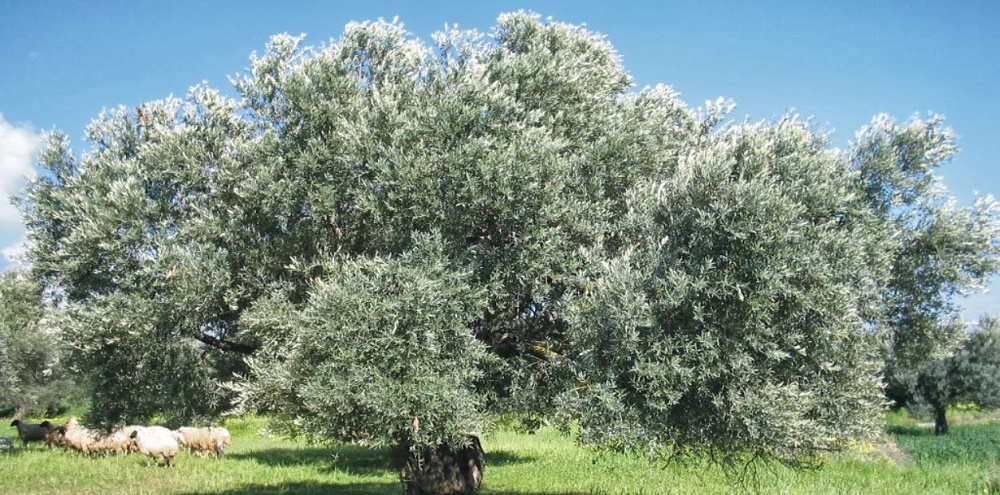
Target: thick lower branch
x,y
225,345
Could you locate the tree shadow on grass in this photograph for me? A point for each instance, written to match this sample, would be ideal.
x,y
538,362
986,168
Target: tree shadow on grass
x,y
360,459
374,488
285,456
310,488
506,458
910,431
355,461
487,491
352,460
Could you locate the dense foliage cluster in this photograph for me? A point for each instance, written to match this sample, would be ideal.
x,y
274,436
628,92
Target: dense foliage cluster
x,y
402,238
33,375
381,353
739,311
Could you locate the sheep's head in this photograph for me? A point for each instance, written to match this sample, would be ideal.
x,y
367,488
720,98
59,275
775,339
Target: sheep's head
x,y
133,442
46,424
179,437
15,422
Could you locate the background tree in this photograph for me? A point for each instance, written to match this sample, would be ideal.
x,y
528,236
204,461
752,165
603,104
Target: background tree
x,y
33,378
970,374
938,251
503,214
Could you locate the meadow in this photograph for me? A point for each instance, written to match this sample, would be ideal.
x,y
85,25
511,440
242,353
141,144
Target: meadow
x,y
909,459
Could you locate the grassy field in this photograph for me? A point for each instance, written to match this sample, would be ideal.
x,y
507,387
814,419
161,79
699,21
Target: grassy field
x,y
909,459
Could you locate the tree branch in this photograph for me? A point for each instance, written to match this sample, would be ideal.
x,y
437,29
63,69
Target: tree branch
x,y
225,345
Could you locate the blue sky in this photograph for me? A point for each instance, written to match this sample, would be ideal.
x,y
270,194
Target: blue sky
x,y
838,62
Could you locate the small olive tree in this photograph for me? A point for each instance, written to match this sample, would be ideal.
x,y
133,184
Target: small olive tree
x,y
970,374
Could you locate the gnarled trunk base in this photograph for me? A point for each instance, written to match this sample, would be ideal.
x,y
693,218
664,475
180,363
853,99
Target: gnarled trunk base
x,y
940,421
446,471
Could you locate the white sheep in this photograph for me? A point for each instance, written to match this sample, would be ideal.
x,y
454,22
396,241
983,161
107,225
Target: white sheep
x,y
7,444
222,439
76,437
156,442
118,442
29,432
209,439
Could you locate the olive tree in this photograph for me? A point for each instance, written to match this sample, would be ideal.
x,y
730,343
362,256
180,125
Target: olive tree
x,y
971,373
387,240
938,251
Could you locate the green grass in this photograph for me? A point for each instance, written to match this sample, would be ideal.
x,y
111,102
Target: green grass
x,y
974,443
517,464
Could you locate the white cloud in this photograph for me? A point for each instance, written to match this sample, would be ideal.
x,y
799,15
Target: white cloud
x,y
10,255
17,146
979,304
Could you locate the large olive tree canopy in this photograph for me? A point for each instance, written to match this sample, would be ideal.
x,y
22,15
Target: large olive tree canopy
x,y
387,239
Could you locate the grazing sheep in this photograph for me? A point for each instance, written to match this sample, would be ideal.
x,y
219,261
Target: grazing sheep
x,y
119,441
77,437
29,432
156,442
53,435
209,439
222,439
7,444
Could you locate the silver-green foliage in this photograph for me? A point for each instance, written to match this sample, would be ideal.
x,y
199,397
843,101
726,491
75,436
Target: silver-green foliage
x,y
381,352
151,253
33,375
734,323
518,151
938,251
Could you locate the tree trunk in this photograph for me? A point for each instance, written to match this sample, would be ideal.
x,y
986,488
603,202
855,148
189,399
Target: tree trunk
x,y
445,470
940,421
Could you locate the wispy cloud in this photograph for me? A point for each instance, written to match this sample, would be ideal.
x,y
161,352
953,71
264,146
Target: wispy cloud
x,y
10,254
17,145
982,303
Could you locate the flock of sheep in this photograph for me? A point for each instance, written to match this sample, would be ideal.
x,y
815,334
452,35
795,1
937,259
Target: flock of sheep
x,y
157,442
